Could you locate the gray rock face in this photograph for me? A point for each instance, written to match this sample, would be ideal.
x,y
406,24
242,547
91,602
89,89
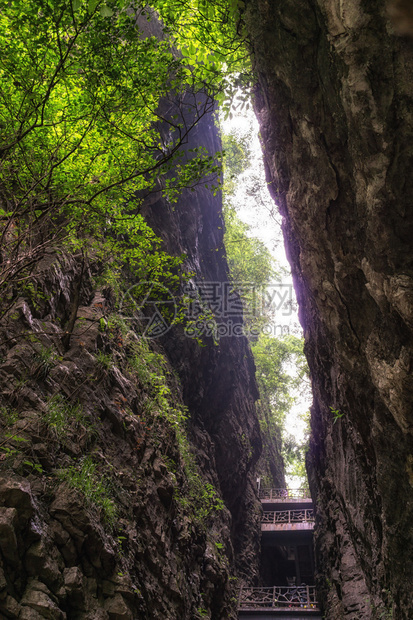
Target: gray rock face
x,y
218,380
335,102
59,557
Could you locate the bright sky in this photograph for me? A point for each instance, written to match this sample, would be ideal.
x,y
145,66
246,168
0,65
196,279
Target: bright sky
x,y
256,208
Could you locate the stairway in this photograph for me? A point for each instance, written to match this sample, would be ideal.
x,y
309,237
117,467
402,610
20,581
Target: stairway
x,y
287,531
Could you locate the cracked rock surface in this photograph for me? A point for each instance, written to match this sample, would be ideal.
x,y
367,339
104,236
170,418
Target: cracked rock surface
x,y
334,97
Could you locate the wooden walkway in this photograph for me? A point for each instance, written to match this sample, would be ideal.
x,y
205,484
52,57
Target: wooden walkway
x,y
288,516
284,495
292,603
282,602
302,598
287,520
278,615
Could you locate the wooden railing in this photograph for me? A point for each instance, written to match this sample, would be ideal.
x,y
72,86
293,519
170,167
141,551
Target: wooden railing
x,y
287,516
284,494
301,597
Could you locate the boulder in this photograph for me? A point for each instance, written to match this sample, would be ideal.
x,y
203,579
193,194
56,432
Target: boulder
x,y
117,608
8,540
38,598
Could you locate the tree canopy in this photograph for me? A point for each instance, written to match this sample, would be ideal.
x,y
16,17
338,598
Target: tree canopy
x,y
94,114
210,35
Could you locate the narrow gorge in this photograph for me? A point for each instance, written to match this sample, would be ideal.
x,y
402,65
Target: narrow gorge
x,y
132,443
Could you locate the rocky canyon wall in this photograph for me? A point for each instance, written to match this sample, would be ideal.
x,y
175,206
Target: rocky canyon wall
x,y
218,379
334,97
105,511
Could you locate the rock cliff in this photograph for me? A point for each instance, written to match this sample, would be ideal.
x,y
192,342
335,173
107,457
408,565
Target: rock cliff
x,y
218,380
107,511
334,97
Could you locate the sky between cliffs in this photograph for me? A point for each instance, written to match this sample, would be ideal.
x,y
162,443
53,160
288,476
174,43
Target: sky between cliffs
x,y
256,208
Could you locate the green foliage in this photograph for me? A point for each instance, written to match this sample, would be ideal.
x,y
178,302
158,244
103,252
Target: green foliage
x,y
60,414
294,453
86,479
89,128
8,415
82,135
151,370
11,445
273,358
121,540
44,359
9,452
337,415
199,499
33,467
237,158
104,361
252,268
237,155
210,35
281,368
249,259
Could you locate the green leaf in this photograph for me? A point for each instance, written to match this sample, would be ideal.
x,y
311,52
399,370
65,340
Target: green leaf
x,y
92,4
106,11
